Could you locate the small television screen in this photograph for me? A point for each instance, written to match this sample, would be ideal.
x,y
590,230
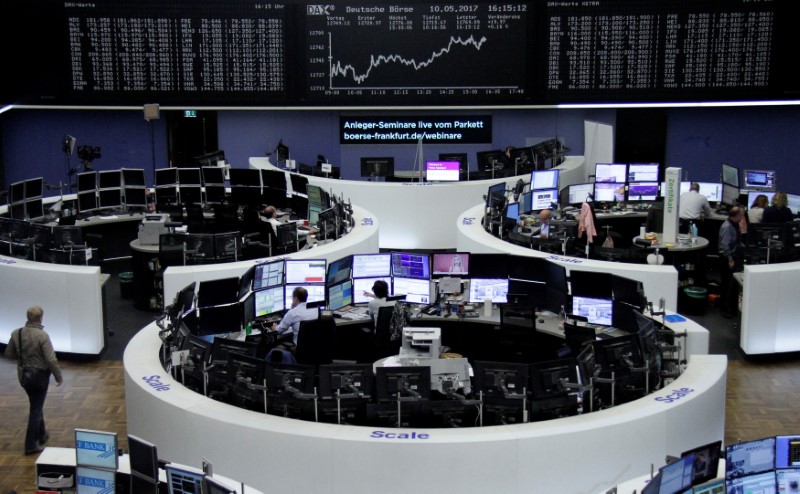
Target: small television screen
x,y
596,310
143,457
316,293
110,198
87,181
609,191
543,199
643,172
166,176
268,301
136,197
677,476
133,177
339,270
410,265
33,188
213,175
95,480
340,295
611,172
417,291
451,264
643,191
759,179
268,274
706,461
749,457
16,192
109,179
730,175
578,193
361,285
305,271
496,191
730,194
442,171
184,480
544,179
377,166
96,449
462,158
189,176
496,289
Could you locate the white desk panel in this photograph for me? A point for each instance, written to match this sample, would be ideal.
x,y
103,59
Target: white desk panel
x,y
770,312
580,454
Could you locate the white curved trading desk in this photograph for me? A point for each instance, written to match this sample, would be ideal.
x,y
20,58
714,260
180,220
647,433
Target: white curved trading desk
x,y
580,454
417,215
770,312
362,239
659,281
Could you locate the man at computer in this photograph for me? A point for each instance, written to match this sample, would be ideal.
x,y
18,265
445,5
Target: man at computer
x,y
270,215
544,218
693,206
291,320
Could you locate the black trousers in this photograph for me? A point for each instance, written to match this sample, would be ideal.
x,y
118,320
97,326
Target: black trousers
x,y
729,291
36,429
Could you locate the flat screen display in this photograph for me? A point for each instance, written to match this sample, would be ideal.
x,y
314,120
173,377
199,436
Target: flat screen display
x,y
643,172
143,457
372,265
749,457
416,291
496,289
340,270
87,201
340,295
677,476
189,176
33,188
753,484
752,194
110,179
730,194
712,190
110,198
544,179
184,480
451,264
787,451
609,191
611,172
377,167
793,202
213,175
94,480
526,202
133,177
96,449
759,179
166,176
268,274
643,191
543,199
410,265
361,285
596,310
305,271
788,480
579,192
34,209
316,293
730,175
268,301
87,181
16,192
442,171
136,197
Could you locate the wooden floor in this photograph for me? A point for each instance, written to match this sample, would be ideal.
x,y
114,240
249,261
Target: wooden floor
x,y
760,403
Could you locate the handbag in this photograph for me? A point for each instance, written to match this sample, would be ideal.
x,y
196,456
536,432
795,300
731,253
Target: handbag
x,y
32,378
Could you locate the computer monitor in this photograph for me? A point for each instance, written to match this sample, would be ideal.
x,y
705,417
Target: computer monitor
x,y
274,179
346,380
315,195
417,291
578,193
34,208
87,181
759,179
495,289
527,293
184,479
523,158
596,310
133,177
340,295
706,461
392,383
97,449
316,293
442,171
643,172
490,265
499,379
33,188
221,348
677,476
218,292
67,236
16,192
749,457
191,194
339,270
544,179
90,480
609,191
595,284
361,285
281,152
752,194
730,195
289,378
461,158
543,199
109,179
245,177
712,190
788,480
219,319
377,166
213,175
627,290
496,196
642,191
754,483
143,457
110,198
618,353
135,197
184,299
526,202
712,487
268,274
490,160
304,271
547,378
450,264
730,175
215,486
787,451
611,173
793,202
411,265
268,301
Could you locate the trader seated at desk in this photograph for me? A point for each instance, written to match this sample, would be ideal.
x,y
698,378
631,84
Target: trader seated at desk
x,y
693,206
291,320
380,290
544,225
270,215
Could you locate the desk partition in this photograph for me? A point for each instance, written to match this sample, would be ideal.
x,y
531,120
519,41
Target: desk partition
x,y
770,313
577,454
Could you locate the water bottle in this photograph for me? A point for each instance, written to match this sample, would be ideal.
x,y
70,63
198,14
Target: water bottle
x,y
248,329
694,230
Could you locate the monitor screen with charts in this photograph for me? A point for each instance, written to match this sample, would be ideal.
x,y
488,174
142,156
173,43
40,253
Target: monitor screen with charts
x,y
305,270
268,274
787,451
544,179
340,295
411,265
184,480
609,191
416,291
495,289
578,193
749,457
611,172
643,191
268,301
372,265
543,199
643,172
316,293
361,285
596,310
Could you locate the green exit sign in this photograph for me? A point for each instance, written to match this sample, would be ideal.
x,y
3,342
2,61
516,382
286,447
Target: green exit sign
x,y
190,113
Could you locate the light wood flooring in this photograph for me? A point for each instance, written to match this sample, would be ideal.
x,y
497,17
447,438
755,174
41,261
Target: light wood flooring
x,y
760,403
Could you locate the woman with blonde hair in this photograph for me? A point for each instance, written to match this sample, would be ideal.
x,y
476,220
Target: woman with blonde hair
x,y
779,211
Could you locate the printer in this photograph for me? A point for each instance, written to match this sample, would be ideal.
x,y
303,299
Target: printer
x,y
422,347
151,228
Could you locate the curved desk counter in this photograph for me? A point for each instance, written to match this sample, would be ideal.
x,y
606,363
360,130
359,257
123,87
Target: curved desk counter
x,y
580,454
71,297
362,239
770,312
416,215
659,281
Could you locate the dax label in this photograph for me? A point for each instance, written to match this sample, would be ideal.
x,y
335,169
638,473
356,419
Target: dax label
x,y
467,221
155,383
676,395
399,435
319,9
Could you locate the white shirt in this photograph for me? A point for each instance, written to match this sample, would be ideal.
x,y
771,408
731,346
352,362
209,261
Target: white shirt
x,y
291,320
755,214
693,205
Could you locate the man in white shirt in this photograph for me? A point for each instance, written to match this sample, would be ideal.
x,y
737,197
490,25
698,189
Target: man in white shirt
x,y
298,312
544,228
270,214
694,205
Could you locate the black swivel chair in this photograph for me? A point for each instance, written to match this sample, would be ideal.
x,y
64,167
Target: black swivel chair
x,y
287,239
195,221
315,341
577,337
171,250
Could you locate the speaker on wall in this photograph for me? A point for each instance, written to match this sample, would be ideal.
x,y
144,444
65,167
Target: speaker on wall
x,y
151,111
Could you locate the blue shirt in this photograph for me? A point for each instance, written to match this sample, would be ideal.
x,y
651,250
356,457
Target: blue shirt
x,y
291,320
728,238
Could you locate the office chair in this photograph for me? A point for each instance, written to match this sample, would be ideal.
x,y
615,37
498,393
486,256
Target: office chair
x,y
227,247
315,341
287,239
195,221
171,250
577,337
